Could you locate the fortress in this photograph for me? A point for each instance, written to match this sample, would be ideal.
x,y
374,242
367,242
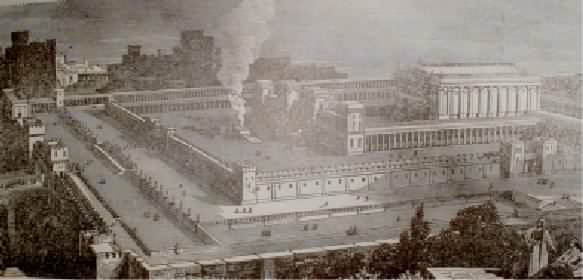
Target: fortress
x,y
341,148
359,150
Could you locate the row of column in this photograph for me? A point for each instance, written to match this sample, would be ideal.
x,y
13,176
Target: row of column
x,y
86,101
459,102
164,107
182,94
421,139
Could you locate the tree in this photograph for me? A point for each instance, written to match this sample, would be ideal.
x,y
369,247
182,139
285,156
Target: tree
x,y
384,261
554,272
477,238
412,243
417,90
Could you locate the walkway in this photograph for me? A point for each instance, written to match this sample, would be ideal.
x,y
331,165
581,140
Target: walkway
x,y
121,195
179,186
561,117
122,237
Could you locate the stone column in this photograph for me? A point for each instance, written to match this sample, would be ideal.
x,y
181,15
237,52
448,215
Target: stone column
x,y
522,99
418,139
483,102
512,96
431,139
444,141
537,99
443,103
454,102
493,112
464,102
474,102
382,143
400,140
532,98
502,101
459,136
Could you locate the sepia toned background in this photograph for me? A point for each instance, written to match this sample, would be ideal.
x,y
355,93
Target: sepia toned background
x,y
364,38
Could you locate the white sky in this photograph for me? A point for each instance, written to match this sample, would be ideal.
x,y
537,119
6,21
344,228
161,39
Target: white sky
x,y
367,38
12,2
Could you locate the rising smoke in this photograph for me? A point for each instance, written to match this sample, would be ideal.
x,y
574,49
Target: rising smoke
x,y
240,38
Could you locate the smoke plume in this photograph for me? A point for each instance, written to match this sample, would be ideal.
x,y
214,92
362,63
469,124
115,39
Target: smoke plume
x,y
240,37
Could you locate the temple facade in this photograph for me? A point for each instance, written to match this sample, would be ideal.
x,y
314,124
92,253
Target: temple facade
x,y
487,90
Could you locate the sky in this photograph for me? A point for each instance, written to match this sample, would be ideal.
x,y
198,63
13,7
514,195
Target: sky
x,y
367,38
15,2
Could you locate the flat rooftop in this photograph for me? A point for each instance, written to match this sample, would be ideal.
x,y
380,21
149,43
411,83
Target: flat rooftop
x,y
303,235
471,68
374,124
272,156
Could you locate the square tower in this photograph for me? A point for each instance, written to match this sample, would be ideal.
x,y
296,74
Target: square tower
x,y
355,128
60,98
248,181
36,133
59,156
548,150
514,158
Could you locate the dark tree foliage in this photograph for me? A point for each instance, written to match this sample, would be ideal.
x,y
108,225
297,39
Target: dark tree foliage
x,y
412,244
477,238
48,239
420,87
270,117
554,272
13,150
333,266
385,261
4,249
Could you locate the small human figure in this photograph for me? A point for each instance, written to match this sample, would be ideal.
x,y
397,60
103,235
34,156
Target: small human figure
x,y
573,257
540,243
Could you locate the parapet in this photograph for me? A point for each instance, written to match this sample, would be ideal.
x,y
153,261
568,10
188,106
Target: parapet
x,y
20,38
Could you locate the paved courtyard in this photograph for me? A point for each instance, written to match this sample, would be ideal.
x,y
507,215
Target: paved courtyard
x,y
332,231
180,188
122,196
273,155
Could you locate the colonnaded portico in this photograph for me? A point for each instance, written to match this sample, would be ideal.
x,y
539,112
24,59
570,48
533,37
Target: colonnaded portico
x,y
460,98
433,134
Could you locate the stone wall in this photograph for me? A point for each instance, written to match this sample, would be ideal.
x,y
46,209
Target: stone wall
x,y
259,266
398,173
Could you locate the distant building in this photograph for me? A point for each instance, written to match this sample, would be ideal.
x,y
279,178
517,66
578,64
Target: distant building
x,y
50,157
194,63
29,67
281,68
484,90
78,76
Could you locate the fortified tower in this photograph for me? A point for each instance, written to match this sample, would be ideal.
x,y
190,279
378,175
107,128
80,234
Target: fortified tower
x,y
59,156
250,192
36,132
60,98
355,124
547,153
514,158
